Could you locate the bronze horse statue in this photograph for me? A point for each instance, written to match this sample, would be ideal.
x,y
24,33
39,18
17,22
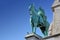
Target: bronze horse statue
x,y
38,19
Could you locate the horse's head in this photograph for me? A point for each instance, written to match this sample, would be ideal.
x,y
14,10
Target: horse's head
x,y
31,10
31,7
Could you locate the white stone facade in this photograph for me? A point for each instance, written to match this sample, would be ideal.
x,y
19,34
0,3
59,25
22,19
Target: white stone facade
x,y
55,26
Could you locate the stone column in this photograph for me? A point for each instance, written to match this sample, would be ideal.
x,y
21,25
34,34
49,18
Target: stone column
x,y
33,36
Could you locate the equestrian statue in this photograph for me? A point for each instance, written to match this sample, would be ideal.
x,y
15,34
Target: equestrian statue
x,y
38,19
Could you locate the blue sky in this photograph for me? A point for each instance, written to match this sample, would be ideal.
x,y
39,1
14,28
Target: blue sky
x,y
14,17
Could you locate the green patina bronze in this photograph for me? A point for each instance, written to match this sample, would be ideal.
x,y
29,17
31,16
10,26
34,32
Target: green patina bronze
x,y
38,19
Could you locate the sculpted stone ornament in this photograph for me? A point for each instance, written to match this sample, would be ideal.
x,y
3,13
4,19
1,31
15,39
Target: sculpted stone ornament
x,y
38,19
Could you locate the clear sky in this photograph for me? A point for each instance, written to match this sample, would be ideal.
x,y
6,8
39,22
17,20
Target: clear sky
x,y
14,17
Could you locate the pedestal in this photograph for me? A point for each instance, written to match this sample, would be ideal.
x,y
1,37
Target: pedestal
x,y
33,36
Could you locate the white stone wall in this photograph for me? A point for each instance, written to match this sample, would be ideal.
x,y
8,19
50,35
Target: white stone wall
x,y
55,27
57,20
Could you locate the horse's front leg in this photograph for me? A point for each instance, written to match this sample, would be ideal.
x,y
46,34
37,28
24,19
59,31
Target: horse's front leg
x,y
35,26
32,29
